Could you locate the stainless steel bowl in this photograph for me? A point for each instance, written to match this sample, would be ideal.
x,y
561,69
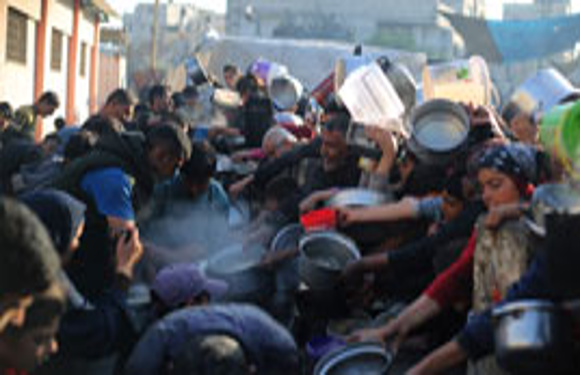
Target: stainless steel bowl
x,y
324,256
529,335
355,359
439,129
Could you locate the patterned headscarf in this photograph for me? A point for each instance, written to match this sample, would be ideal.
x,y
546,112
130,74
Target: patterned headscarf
x,y
515,160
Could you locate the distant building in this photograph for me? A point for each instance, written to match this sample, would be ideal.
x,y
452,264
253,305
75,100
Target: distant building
x,y
536,9
112,63
51,45
180,28
413,25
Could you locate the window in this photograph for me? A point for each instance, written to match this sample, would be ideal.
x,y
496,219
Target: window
x,y
56,54
83,62
16,36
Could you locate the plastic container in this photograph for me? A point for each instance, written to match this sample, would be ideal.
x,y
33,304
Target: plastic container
x,y
465,81
559,134
370,97
325,218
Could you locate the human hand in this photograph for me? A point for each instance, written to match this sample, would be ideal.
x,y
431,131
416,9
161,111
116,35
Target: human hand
x,y
128,252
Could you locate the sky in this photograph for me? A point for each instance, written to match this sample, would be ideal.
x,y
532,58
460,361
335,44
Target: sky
x,y
493,11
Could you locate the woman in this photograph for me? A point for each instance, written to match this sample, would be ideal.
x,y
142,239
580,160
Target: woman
x,y
489,264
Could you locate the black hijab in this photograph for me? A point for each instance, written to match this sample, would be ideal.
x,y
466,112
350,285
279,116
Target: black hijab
x,y
60,213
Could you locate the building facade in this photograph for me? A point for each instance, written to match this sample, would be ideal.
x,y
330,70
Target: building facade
x,y
413,25
180,27
51,45
536,9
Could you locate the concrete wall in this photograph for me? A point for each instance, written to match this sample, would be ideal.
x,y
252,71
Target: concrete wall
x,y
86,35
112,74
17,80
60,18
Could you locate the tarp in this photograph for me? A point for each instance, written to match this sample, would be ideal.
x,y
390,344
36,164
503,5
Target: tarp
x,y
512,41
309,61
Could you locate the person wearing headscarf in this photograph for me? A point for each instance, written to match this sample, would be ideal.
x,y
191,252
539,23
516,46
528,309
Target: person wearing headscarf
x,y
480,276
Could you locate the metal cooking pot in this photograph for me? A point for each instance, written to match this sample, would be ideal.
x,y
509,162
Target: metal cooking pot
x,y
366,235
285,92
359,358
239,268
439,130
531,334
541,92
403,82
551,199
287,238
356,197
324,256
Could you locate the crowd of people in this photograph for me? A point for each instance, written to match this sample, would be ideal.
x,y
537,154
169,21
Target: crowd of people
x,y
135,200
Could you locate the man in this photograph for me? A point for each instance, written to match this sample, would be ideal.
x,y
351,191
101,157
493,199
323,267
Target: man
x,y
29,262
192,208
215,354
338,166
118,110
268,346
158,105
231,76
115,180
183,285
26,117
25,348
191,110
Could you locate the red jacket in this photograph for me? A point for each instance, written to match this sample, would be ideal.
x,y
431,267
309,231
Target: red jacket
x,y
454,285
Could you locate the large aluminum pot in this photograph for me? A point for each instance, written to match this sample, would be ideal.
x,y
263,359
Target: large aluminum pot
x,y
403,82
539,93
561,199
324,256
531,335
366,235
439,130
239,268
356,197
359,358
285,92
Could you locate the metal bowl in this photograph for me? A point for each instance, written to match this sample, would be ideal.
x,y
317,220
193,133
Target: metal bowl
x,y
324,255
355,359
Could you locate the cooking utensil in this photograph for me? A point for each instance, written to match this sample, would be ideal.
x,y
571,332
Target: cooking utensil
x,y
439,129
356,197
531,334
287,238
403,82
539,93
359,358
324,255
285,92
366,235
548,199
239,268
